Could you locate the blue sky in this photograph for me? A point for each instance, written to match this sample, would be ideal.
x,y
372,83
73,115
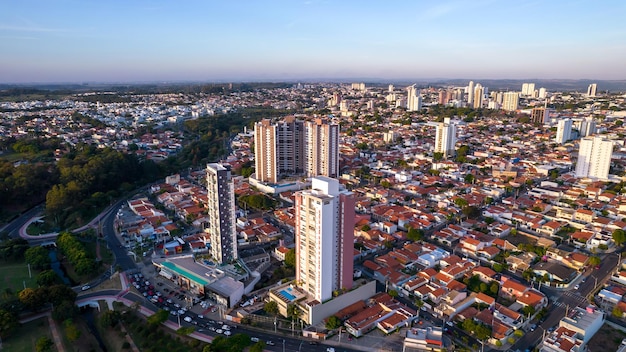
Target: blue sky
x,y
137,40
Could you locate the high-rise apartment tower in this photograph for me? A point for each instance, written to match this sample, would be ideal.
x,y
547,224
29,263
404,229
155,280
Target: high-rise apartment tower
x,y
221,213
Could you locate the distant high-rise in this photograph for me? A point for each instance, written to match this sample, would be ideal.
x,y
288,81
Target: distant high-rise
x,y
510,101
321,148
594,158
543,93
591,90
444,96
278,149
358,86
445,138
479,92
294,147
390,88
470,93
540,115
587,127
413,99
221,213
528,89
324,238
563,131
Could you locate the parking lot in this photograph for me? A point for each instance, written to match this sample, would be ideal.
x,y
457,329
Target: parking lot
x,y
165,295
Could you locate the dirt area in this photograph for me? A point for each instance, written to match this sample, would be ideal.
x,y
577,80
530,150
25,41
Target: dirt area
x,y
111,284
520,238
606,339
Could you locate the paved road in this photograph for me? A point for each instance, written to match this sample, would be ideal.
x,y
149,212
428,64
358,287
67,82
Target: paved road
x,y
120,252
14,226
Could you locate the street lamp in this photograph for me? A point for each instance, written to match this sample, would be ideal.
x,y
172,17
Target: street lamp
x,y
283,345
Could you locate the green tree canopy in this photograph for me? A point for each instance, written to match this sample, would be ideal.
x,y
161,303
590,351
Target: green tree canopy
x,y
158,317
414,234
333,322
594,260
271,308
44,344
290,258
619,236
38,257
47,278
8,323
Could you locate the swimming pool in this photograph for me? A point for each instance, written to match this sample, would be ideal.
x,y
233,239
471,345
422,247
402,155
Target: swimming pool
x,y
287,295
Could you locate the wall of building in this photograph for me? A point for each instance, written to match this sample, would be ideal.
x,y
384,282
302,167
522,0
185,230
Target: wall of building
x,y
322,311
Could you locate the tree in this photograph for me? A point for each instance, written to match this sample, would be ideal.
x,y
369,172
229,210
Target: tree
x,y
8,323
393,293
594,260
333,322
32,299
60,293
619,236
110,318
365,228
494,289
71,330
290,258
64,310
185,330
44,344
460,202
293,312
414,234
258,347
528,310
159,317
47,278
38,257
271,308
617,312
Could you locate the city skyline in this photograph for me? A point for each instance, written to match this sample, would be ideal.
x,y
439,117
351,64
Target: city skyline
x,y
66,41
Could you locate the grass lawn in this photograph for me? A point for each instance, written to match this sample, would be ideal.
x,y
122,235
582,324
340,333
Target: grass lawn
x,y
38,228
25,337
14,275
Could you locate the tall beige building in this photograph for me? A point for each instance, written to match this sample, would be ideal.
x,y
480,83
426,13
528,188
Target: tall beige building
x,y
510,101
445,138
295,147
265,151
479,92
321,148
324,238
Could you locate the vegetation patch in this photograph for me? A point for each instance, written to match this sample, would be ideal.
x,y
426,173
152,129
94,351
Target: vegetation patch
x,y
24,338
